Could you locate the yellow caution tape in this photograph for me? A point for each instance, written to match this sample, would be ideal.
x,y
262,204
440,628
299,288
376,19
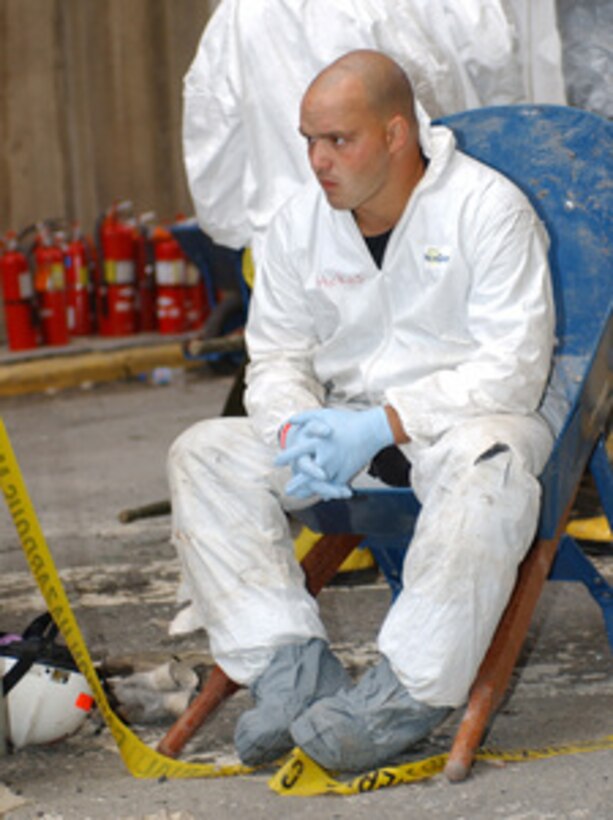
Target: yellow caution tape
x,y
298,776
140,759
302,777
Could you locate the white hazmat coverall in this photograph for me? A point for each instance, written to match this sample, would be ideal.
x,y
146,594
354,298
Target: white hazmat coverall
x,y
455,331
243,154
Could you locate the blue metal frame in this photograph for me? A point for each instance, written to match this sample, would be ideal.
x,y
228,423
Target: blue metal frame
x,y
572,564
602,472
200,248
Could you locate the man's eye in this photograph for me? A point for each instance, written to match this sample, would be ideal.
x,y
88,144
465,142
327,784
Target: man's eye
x,y
339,141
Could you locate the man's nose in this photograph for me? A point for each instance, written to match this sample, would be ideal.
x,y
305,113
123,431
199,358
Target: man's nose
x,y
319,156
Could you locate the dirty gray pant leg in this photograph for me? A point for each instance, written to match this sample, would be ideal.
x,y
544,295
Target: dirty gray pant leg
x,y
365,726
297,676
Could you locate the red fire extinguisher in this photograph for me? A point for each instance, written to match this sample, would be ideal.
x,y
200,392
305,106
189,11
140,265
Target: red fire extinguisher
x,y
145,274
196,303
78,284
95,281
50,285
170,274
117,315
18,295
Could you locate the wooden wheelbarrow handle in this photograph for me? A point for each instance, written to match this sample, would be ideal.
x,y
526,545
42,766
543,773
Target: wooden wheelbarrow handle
x,y
495,672
217,688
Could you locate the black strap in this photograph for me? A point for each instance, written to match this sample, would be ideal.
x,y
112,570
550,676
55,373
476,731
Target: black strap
x,y
43,626
38,637
391,466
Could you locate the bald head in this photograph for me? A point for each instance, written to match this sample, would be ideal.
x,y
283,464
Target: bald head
x,y
385,86
363,141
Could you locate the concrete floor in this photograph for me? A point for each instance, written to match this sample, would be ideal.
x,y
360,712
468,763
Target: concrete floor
x,y
88,454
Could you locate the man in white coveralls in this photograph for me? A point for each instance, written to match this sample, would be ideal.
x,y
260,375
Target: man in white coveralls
x,y
403,298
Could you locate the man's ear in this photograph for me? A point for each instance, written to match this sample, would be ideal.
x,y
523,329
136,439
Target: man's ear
x,y
397,133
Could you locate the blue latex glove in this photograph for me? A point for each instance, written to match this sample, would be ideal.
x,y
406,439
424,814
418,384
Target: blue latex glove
x,y
295,441
339,442
304,486
309,479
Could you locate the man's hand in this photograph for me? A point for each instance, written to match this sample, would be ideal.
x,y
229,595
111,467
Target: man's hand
x,y
303,486
308,479
326,448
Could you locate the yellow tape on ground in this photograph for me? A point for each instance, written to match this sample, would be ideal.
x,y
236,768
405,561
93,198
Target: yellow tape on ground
x,y
302,777
140,759
298,776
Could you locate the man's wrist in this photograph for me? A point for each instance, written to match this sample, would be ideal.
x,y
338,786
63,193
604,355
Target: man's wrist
x,y
399,433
